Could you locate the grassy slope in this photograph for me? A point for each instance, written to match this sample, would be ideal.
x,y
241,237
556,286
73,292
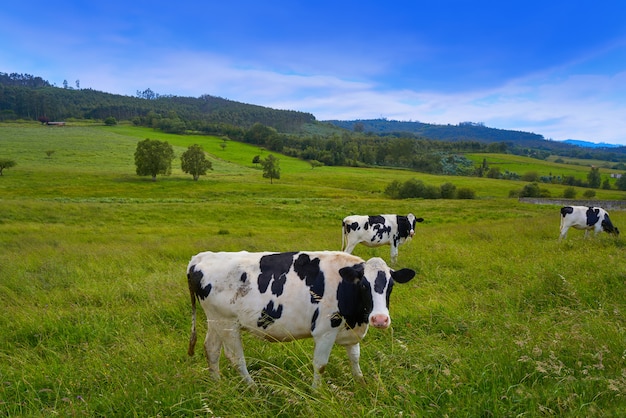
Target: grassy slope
x,y
502,320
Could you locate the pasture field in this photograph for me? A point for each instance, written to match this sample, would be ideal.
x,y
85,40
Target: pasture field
x,y
502,319
576,168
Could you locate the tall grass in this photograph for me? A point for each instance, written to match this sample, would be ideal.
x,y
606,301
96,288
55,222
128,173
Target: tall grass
x,y
501,320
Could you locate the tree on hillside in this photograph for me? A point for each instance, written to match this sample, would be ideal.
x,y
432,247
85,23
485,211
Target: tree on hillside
x,y
153,157
271,168
194,162
6,163
594,178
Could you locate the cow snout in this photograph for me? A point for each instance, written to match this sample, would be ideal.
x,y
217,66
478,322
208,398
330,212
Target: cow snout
x,y
379,321
412,232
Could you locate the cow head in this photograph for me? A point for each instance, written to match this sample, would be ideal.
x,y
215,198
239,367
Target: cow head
x,y
363,295
413,221
607,225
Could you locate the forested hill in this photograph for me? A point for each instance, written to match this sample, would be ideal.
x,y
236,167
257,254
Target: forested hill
x,y
23,96
465,131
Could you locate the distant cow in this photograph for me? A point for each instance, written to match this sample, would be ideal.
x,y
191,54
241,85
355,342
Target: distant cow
x,y
330,296
587,218
374,231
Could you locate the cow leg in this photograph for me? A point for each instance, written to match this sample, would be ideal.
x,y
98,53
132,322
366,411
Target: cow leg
x,y
394,254
321,353
350,247
233,348
212,350
563,233
354,353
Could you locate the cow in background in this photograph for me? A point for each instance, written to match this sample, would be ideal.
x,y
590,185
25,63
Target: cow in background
x,y
330,296
587,218
374,231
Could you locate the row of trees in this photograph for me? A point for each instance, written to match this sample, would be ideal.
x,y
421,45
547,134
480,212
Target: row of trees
x,y
154,157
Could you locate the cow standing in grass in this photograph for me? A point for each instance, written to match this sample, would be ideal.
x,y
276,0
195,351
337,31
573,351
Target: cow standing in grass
x,y
587,218
330,296
374,231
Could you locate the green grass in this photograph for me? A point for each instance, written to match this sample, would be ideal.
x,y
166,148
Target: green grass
x,y
502,319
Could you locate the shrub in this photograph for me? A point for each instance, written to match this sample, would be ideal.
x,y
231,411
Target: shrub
x,y
544,193
431,192
448,191
530,190
411,189
569,193
393,189
465,193
532,176
589,194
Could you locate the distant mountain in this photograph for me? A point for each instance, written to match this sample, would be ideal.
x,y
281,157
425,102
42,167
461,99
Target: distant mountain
x,y
588,144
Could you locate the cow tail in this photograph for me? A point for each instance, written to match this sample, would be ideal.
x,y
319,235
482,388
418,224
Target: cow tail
x,y
193,337
343,236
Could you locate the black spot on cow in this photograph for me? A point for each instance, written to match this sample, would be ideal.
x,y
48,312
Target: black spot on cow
x,y
351,227
380,282
388,294
592,216
566,210
194,279
278,285
309,271
244,277
269,315
314,319
379,227
354,297
274,267
336,319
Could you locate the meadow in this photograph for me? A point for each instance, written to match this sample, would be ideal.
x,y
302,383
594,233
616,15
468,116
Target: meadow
x,y
502,320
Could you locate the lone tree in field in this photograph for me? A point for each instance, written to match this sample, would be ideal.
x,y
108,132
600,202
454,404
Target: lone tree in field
x,y
6,163
153,157
194,162
271,169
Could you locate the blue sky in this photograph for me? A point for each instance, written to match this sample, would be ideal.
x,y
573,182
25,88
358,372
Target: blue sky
x,y
555,68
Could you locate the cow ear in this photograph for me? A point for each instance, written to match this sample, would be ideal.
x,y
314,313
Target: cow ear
x,y
403,275
353,273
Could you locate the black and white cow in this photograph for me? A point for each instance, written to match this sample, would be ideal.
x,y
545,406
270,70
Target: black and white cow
x,y
587,218
374,231
330,296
